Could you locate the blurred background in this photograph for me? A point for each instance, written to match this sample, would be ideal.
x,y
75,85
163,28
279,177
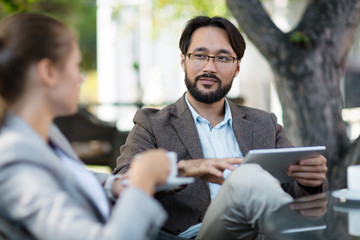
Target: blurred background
x,y
132,60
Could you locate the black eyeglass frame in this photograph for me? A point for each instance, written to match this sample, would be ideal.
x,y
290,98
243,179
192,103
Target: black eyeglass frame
x,y
208,57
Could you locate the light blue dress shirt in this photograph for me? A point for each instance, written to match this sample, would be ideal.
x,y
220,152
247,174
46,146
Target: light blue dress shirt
x,y
88,180
217,142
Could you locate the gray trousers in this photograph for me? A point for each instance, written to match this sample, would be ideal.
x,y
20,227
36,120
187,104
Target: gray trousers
x,y
245,198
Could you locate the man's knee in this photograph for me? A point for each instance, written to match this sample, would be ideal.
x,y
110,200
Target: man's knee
x,y
250,177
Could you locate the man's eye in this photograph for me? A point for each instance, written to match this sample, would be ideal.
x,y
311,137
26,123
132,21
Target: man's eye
x,y
223,59
200,56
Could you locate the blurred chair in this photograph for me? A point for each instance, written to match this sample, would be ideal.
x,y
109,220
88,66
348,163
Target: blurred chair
x,y
96,142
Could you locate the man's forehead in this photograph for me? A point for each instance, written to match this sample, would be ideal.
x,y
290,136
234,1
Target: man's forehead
x,y
217,51
209,38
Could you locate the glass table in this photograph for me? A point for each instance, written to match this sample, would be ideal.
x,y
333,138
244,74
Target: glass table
x,y
319,216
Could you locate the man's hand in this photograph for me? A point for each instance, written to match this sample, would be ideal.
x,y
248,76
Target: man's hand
x,y
309,172
211,170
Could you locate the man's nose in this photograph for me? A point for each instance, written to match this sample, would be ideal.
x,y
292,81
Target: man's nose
x,y
210,65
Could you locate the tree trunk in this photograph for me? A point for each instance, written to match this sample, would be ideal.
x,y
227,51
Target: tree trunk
x,y
308,63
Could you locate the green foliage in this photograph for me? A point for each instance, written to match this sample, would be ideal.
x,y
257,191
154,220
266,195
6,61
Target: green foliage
x,y
79,15
300,38
185,8
11,6
136,66
168,10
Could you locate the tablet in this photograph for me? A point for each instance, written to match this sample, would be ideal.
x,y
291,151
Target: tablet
x,y
277,160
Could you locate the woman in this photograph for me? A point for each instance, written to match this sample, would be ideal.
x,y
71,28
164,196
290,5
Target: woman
x,y
43,184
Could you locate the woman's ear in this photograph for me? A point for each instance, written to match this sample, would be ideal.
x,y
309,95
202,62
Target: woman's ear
x,y
47,72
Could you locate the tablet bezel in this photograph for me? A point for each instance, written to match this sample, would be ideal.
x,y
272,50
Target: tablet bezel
x,y
277,160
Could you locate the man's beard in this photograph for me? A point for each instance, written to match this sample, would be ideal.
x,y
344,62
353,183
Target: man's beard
x,y
210,97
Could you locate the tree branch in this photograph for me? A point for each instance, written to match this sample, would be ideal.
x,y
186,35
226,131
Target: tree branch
x,y
257,25
332,22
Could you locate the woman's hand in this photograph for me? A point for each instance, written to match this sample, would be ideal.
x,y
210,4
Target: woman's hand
x,y
118,185
149,169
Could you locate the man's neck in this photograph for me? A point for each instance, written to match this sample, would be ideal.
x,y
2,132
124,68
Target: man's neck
x,y
213,112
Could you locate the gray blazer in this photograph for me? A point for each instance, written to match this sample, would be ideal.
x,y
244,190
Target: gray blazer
x,y
36,190
173,129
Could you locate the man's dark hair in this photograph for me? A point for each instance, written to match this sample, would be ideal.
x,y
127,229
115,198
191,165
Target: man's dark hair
x,y
237,41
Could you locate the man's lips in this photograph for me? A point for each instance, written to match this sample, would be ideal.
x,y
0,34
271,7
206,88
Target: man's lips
x,y
208,81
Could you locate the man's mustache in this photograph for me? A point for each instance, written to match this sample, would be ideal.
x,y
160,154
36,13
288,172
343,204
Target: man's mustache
x,y
206,75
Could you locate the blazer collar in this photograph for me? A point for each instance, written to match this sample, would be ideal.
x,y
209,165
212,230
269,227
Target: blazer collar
x,y
61,142
20,126
242,128
186,129
185,126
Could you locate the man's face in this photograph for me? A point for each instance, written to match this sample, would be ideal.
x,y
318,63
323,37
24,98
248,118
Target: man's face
x,y
209,81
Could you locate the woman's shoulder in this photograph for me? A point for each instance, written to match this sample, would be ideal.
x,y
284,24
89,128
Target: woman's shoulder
x,y
17,147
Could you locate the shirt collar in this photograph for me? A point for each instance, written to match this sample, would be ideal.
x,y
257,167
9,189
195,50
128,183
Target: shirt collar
x,y
197,118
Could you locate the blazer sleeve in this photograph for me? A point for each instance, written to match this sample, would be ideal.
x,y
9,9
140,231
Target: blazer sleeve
x,y
281,141
34,197
140,139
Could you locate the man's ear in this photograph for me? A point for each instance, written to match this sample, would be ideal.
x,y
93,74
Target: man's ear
x,y
237,68
47,72
183,61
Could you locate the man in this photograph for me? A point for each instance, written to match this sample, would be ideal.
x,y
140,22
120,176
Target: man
x,y
211,135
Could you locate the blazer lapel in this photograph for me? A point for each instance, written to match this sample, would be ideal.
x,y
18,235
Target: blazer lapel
x,y
186,129
61,142
242,128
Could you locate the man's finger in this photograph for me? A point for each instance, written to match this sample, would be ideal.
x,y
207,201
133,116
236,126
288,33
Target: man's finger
x,y
309,183
314,160
308,175
298,168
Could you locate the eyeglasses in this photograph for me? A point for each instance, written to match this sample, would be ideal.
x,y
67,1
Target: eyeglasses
x,y
202,59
